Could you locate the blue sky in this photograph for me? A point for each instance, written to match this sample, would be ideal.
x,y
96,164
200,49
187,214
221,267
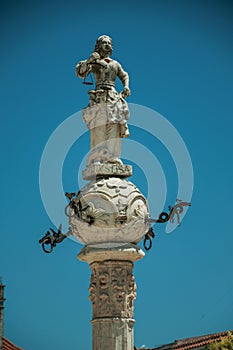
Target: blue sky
x,y
179,57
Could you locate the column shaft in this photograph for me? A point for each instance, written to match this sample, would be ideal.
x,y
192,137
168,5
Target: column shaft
x,y
112,292
112,334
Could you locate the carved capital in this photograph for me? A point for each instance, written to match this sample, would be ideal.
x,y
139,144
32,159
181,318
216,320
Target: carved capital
x,y
112,289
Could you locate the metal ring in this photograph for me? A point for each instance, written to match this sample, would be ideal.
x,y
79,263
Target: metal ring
x,y
47,251
161,219
178,208
147,238
66,212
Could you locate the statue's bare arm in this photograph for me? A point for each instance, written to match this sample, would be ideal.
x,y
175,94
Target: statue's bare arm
x,y
83,68
124,77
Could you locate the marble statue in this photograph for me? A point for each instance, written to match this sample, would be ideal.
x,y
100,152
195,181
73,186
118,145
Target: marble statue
x,y
107,112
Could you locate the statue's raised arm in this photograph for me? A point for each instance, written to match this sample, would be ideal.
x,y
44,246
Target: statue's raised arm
x,y
107,112
105,69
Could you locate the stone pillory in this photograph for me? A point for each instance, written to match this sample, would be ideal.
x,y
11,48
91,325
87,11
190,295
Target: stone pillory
x,y
110,214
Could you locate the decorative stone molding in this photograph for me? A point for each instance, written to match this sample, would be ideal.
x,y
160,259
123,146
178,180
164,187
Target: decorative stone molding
x,y
106,169
111,251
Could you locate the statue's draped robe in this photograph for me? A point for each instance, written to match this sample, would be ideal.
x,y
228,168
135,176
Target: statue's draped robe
x,y
107,112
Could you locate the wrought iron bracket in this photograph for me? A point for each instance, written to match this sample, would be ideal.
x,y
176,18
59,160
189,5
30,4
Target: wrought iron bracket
x,y
177,209
49,241
147,243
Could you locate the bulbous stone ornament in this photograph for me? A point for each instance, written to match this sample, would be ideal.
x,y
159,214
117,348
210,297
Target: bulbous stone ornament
x,y
109,210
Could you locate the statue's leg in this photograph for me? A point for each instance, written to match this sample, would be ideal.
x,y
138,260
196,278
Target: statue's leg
x,y
113,140
99,152
105,143
98,136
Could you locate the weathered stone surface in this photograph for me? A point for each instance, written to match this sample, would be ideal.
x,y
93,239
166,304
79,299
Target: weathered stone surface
x,y
112,334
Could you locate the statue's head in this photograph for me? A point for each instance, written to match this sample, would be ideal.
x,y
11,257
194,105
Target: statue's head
x,y
104,46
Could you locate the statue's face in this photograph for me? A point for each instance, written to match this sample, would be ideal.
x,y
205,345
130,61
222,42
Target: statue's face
x,y
106,45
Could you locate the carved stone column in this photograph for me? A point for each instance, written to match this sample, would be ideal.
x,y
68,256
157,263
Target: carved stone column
x,y
112,293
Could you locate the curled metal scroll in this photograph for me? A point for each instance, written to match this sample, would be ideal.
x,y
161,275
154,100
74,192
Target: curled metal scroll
x,y
147,243
73,204
177,209
49,241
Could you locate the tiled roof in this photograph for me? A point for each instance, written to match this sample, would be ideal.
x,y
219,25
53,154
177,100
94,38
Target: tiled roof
x,y
192,343
8,345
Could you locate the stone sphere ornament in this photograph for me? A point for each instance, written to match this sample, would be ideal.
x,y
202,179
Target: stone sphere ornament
x,y
109,210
